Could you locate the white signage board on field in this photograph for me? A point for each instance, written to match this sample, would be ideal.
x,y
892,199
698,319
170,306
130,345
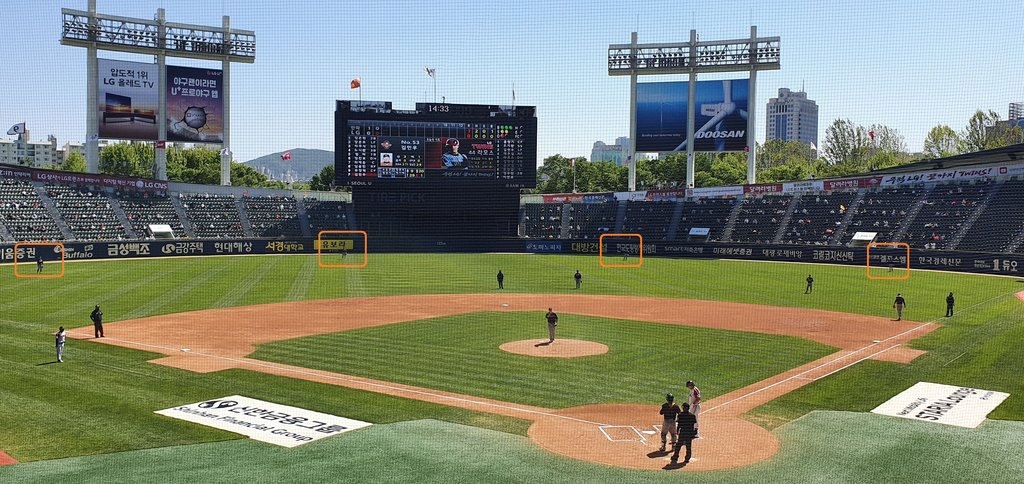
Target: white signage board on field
x,y
945,404
264,421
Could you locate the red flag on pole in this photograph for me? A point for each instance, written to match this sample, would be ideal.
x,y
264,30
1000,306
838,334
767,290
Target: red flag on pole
x,y
871,134
356,83
286,156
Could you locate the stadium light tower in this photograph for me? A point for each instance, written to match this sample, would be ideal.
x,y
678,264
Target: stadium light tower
x,y
739,55
160,39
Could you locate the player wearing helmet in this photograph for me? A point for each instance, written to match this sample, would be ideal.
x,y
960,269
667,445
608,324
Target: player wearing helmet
x,y
451,157
669,411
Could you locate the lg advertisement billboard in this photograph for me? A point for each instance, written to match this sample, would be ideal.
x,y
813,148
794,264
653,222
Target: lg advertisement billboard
x,y
721,116
195,105
128,104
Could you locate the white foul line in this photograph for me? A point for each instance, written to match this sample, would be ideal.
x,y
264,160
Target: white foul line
x,y
798,375
335,376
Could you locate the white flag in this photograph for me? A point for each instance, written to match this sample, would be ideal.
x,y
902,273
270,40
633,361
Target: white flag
x,y
17,129
225,152
430,72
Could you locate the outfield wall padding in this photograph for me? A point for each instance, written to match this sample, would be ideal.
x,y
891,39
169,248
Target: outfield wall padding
x,y
959,261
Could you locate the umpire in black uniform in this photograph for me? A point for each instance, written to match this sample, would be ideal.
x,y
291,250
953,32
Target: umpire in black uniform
x,y
687,423
97,321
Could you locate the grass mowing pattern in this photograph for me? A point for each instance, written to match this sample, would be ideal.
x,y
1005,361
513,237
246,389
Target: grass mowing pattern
x,y
460,354
62,410
436,452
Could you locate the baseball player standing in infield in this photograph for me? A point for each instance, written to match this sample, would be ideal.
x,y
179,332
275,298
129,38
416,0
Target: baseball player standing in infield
x,y
552,318
694,401
669,412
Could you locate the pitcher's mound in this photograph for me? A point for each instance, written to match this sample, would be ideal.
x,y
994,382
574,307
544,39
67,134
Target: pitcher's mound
x,y
561,348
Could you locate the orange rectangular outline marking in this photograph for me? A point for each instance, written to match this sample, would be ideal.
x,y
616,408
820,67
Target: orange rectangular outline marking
x,y
600,251
366,243
38,276
904,277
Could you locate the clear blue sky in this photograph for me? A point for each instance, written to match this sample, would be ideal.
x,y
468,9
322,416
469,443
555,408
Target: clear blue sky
x,y
907,66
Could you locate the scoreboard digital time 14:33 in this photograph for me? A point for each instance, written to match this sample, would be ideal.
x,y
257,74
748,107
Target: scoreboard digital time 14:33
x,y
376,144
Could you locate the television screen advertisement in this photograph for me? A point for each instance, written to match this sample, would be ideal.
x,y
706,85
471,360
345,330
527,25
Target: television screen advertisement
x,y
128,100
195,106
720,123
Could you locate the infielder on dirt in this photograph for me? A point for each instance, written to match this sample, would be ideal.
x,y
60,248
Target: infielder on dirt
x,y
669,412
694,401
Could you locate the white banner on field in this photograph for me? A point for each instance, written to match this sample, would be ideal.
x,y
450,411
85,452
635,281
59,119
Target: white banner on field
x,y
945,404
264,421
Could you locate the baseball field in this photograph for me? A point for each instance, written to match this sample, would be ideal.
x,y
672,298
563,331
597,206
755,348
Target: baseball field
x,y
413,344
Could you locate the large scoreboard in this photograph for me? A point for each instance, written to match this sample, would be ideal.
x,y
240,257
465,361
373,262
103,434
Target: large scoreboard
x,y
435,144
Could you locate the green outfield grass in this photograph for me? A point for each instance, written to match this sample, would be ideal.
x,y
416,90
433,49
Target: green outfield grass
x,y
873,449
460,354
102,399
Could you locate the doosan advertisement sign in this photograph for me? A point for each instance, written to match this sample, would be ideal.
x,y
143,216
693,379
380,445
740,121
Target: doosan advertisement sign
x,y
721,116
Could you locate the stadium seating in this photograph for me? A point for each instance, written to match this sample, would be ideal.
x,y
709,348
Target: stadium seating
x,y
649,219
1000,222
23,213
883,211
590,220
326,215
212,216
710,213
542,220
144,208
817,217
944,213
759,218
88,213
273,216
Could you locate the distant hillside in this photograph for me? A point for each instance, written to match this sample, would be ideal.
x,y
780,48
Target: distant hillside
x,y
304,163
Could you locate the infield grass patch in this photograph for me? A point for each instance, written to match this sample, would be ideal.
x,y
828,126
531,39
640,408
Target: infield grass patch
x,y
461,354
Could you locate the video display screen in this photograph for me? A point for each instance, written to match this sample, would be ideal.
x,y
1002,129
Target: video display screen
x,y
436,142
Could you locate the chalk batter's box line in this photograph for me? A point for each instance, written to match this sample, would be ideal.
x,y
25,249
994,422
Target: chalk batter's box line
x,y
39,276
319,247
643,440
600,252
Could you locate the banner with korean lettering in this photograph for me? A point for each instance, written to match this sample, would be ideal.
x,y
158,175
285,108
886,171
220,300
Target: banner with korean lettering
x,y
127,100
269,422
195,106
952,174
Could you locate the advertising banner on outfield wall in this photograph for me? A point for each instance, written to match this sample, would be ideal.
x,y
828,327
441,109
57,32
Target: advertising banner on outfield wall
x,y
195,106
721,116
944,404
975,262
128,100
269,422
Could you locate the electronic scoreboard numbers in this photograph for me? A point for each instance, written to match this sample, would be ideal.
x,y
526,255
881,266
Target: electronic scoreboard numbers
x,y
440,143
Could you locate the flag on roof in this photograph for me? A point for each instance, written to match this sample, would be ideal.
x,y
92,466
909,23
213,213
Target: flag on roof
x,y
430,72
286,156
356,83
17,129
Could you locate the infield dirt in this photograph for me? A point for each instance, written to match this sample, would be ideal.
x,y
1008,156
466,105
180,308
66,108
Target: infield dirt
x,y
620,435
